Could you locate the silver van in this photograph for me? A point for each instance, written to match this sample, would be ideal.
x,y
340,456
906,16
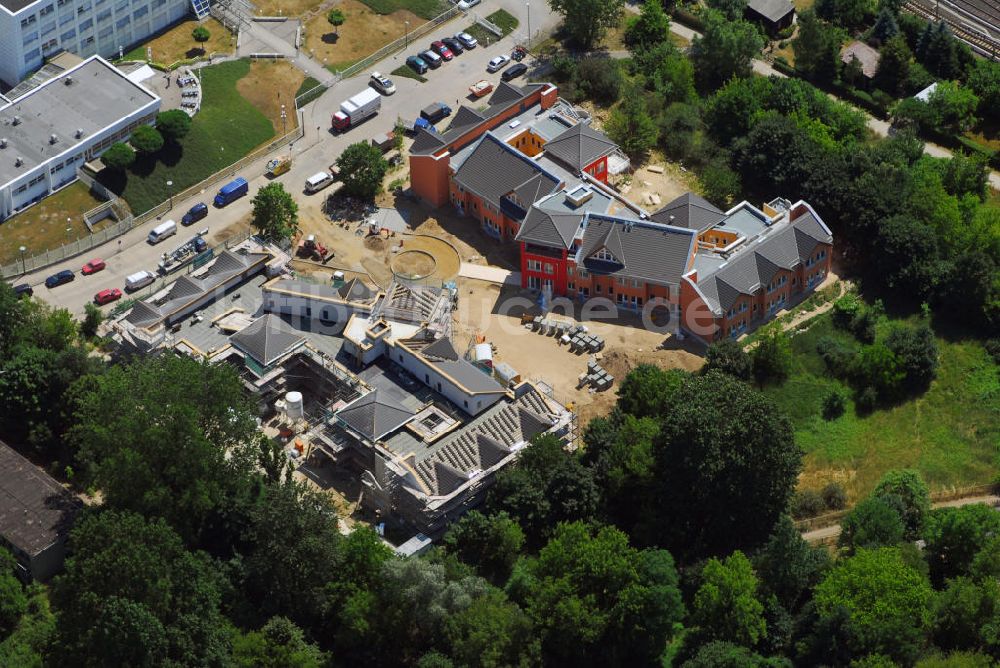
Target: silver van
x,y
162,231
139,280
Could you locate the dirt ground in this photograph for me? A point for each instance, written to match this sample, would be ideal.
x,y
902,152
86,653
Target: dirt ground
x,y
651,190
270,85
363,32
178,44
285,7
44,225
485,308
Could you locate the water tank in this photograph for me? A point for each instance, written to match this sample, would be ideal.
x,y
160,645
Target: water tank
x,y
293,405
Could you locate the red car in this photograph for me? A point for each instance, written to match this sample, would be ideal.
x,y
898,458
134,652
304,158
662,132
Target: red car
x,y
107,296
93,267
442,50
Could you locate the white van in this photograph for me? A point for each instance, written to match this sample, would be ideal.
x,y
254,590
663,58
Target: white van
x,y
139,280
318,181
162,231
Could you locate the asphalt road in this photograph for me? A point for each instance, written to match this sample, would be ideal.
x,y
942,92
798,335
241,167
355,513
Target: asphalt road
x,y
314,152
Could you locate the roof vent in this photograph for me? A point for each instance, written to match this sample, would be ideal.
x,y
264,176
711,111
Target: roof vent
x,y
3,142
671,218
68,81
629,225
53,139
18,161
17,120
79,132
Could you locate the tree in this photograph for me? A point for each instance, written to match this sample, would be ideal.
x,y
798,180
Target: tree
x,y
907,489
362,168
728,357
885,27
599,79
850,14
910,261
92,318
146,140
731,9
275,213
725,50
722,185
961,612
788,566
872,523
201,34
133,595
984,82
13,601
724,441
887,602
917,353
336,18
954,536
118,157
649,391
668,73
893,65
726,606
278,644
173,124
771,359
596,601
954,107
173,445
490,543
587,21
940,52
722,654
648,30
631,126
817,48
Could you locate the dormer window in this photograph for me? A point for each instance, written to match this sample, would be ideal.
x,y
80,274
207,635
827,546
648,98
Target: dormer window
x,y
604,254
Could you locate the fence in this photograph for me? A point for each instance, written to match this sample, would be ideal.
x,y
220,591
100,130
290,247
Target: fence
x,y
84,244
401,43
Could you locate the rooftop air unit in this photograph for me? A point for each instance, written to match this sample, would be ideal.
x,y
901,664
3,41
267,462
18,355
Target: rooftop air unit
x,y
579,195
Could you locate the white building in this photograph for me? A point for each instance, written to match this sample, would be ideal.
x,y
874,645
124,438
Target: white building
x,y
48,133
33,30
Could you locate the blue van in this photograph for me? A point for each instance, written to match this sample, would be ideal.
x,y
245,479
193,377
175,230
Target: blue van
x,y
232,191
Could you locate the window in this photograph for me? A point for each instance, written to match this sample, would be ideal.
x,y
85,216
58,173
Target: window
x,y
597,288
549,269
104,16
534,265
48,28
309,311
582,273
68,35
105,32
605,254
142,11
89,40
569,270
51,44
570,286
62,3
122,6
635,282
534,282
123,22
30,37
28,21
48,9
620,281
66,18
31,55
86,25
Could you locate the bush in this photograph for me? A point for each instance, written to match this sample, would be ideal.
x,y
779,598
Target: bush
x,y
92,319
807,503
600,79
201,34
834,405
146,140
836,355
917,353
772,358
721,184
866,400
846,309
118,156
993,348
728,357
173,124
834,496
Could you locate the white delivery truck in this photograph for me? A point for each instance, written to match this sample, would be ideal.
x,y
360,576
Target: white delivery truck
x,y
162,231
356,109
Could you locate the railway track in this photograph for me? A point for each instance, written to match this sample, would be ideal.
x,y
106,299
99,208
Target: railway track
x,y
954,14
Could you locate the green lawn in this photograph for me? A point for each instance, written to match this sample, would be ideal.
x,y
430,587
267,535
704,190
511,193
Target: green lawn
x,y
311,86
425,9
227,128
407,72
504,20
950,434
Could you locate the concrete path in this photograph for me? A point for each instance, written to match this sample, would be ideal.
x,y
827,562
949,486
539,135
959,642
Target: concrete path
x,y
829,534
490,274
257,33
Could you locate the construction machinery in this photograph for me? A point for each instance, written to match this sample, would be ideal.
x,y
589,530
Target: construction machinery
x,y
312,249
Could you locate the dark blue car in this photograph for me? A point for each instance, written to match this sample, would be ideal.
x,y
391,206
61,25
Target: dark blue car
x,y
417,64
195,213
55,280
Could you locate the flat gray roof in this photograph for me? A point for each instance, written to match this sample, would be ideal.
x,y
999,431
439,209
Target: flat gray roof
x,y
14,6
743,223
98,97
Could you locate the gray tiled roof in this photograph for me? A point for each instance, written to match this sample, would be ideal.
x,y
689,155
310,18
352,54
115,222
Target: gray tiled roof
x,y
580,146
465,117
426,142
744,274
647,251
773,10
267,339
494,169
35,510
355,290
548,228
442,356
690,211
374,415
505,93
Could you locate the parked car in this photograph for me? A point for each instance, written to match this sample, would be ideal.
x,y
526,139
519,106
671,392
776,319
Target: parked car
x,y
441,49
23,290
194,214
139,280
514,71
467,40
417,64
498,63
107,296
55,280
432,59
382,83
93,267
456,47
467,4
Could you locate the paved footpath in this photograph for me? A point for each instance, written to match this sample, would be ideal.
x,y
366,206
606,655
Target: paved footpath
x,y
315,151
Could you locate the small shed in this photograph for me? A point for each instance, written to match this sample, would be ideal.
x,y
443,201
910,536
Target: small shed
x,y
774,15
867,57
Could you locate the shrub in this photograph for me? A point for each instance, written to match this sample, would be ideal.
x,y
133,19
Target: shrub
x,y
807,503
729,357
993,348
772,358
834,496
834,405
118,156
91,320
600,79
146,140
866,400
846,309
201,34
836,355
917,353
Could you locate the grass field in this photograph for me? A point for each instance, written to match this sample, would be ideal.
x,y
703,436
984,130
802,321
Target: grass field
x,y
503,19
227,128
950,434
311,86
426,9
407,72
176,43
43,226
285,7
364,31
271,85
